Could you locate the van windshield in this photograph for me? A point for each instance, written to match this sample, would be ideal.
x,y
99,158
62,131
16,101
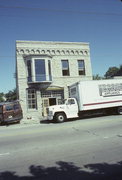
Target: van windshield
x,y
1,109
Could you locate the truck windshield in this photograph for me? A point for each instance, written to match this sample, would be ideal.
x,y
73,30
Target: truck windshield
x,y
62,101
0,109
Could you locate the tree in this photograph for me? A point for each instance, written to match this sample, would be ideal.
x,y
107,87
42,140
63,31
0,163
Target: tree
x,y
111,72
11,95
119,73
2,97
97,77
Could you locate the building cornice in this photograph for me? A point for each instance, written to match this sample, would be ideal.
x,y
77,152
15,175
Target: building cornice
x,y
51,51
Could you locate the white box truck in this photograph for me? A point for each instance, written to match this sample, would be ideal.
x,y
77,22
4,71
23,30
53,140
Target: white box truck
x,y
87,97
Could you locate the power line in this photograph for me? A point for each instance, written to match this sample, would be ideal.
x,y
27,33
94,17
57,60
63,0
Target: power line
x,y
61,10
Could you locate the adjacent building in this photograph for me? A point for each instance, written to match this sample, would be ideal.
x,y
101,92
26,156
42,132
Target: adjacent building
x,y
44,70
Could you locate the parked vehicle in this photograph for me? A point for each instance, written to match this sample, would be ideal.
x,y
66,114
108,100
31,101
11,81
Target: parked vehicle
x,y
87,97
10,112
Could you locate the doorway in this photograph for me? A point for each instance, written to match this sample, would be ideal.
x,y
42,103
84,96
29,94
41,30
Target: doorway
x,y
50,98
52,101
47,102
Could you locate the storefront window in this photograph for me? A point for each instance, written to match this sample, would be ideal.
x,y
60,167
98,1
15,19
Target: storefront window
x,y
31,99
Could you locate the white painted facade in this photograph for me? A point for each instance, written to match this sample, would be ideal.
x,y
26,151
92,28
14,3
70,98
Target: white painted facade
x,y
44,72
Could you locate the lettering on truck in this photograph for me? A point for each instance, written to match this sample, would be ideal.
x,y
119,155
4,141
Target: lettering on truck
x,y
107,90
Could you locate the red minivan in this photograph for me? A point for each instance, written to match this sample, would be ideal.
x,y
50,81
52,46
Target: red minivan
x,y
10,112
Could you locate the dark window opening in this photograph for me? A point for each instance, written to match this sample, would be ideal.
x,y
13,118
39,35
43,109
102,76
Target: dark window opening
x,y
49,69
52,101
29,70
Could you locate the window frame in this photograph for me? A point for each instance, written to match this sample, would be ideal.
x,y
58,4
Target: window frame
x,y
65,70
37,70
29,70
31,99
81,70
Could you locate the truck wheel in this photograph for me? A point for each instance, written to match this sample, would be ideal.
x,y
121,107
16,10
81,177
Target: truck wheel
x,y
119,110
60,117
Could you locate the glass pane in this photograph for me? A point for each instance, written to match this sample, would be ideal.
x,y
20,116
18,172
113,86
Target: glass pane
x,y
16,106
65,72
33,106
33,101
40,70
33,96
80,64
29,96
65,64
29,71
9,108
49,69
29,106
81,72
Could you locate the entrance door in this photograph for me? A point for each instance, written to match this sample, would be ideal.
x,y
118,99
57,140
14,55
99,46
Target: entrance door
x,y
45,104
72,108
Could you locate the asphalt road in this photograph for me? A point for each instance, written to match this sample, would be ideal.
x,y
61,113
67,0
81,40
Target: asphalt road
x,y
82,149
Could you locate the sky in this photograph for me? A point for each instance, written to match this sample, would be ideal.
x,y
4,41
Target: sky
x,y
97,22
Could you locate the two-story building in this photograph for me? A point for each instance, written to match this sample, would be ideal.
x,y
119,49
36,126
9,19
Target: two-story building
x,y
44,70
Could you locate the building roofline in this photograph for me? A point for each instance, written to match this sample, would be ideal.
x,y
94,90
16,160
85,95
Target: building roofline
x,y
51,42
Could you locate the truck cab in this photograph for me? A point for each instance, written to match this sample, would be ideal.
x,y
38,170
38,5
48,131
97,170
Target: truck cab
x,y
59,113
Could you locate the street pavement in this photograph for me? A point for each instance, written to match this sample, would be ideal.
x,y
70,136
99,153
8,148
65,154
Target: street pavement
x,y
89,148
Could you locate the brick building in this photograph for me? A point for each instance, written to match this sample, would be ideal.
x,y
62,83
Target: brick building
x,y
44,70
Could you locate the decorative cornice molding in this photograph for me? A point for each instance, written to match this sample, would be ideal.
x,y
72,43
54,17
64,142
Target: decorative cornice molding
x,y
52,52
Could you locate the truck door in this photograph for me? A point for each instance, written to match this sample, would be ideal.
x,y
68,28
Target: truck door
x,y
72,108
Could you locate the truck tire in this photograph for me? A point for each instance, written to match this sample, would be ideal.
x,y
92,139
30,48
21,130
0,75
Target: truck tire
x,y
119,110
60,117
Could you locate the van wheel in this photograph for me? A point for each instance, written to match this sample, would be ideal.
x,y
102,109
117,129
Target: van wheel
x,y
60,117
119,110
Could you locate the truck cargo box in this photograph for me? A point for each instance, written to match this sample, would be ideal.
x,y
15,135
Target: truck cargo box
x,y
97,94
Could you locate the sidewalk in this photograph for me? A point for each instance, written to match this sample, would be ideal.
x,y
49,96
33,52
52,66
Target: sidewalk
x,y
26,123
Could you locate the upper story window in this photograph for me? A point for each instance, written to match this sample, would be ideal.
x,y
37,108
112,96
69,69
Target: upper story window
x,y
65,67
49,69
81,67
29,70
39,70
40,74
